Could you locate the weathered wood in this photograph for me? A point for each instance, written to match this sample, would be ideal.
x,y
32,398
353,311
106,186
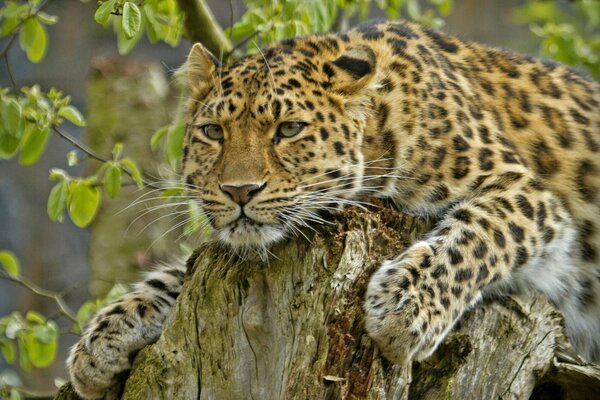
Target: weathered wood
x,y
292,329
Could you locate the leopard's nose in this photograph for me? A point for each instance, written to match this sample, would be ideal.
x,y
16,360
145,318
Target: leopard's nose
x,y
242,194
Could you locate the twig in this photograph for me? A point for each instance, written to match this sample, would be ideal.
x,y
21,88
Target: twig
x,y
10,74
4,55
79,145
58,299
90,153
5,51
241,43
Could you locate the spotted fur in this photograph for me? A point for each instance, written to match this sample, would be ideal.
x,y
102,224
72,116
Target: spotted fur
x,y
502,149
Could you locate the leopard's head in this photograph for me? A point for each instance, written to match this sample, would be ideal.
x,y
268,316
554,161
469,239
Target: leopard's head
x,y
275,138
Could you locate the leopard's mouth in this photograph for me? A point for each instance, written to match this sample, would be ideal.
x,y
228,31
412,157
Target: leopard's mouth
x,y
245,232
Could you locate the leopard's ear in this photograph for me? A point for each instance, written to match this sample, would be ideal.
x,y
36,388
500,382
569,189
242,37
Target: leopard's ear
x,y
201,65
353,70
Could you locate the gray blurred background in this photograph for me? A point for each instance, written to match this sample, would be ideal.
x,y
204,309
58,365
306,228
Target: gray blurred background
x,y
55,255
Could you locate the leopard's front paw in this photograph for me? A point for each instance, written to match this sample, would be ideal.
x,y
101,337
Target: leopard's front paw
x,y
406,314
99,363
94,378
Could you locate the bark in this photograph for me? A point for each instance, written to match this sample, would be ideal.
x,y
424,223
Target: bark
x,y
292,328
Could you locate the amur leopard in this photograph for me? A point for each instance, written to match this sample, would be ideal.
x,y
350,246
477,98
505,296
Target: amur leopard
x,y
502,149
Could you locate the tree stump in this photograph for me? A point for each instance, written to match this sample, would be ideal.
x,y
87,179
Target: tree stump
x,y
292,328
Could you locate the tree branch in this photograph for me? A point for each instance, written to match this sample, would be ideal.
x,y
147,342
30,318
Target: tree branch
x,y
91,153
57,297
4,55
79,145
202,26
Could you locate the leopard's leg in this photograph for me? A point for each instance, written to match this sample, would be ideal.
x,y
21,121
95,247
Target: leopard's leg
x,y
569,276
485,241
580,305
108,345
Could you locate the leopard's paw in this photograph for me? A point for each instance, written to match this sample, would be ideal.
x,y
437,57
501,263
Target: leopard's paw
x,y
99,363
406,313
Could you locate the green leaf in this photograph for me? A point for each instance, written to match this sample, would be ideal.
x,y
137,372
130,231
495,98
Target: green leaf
x,y
124,44
57,174
446,7
10,263
57,201
34,316
89,308
196,219
24,360
11,128
132,20
112,180
174,144
59,382
34,143
15,394
172,192
158,136
117,150
33,39
83,203
152,26
42,343
134,171
47,18
84,314
8,350
45,332
8,26
414,9
15,325
72,158
72,115
115,292
104,11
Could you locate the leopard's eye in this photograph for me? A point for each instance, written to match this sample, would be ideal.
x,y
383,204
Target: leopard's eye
x,y
212,131
290,128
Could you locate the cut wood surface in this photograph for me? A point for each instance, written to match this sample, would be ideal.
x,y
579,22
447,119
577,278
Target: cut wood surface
x,y
292,328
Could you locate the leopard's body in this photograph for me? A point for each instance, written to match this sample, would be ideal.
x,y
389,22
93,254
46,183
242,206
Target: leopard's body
x,y
502,149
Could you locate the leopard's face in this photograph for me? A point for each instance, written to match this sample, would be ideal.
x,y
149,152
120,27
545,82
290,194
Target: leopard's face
x,y
268,148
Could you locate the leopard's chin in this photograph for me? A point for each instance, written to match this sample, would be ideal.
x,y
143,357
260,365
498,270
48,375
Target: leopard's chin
x,y
245,233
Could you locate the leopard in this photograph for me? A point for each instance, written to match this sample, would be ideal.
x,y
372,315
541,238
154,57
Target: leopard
x,y
500,149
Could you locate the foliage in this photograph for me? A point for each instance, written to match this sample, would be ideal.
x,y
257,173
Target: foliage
x,y
270,21
29,20
10,263
35,336
568,32
160,19
32,340
27,119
